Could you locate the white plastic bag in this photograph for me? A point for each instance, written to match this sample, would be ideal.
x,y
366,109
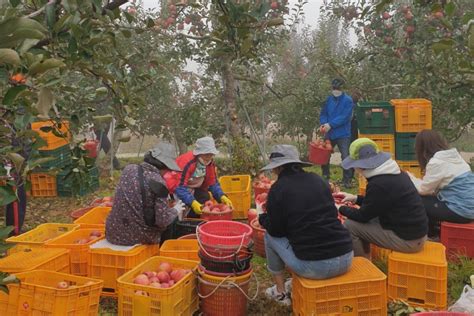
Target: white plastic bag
x,y
465,303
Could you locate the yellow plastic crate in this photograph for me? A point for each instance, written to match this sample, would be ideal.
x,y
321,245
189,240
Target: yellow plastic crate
x,y
38,294
181,249
412,167
43,185
78,253
180,299
237,188
36,258
379,253
108,265
419,278
385,142
361,291
39,235
412,115
52,140
95,218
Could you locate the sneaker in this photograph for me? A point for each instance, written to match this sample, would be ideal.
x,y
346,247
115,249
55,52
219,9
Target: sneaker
x,y
281,298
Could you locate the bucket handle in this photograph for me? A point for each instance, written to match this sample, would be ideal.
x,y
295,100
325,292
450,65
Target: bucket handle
x,y
233,284
214,257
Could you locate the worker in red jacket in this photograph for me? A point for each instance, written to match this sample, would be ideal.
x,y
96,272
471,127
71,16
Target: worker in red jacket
x,y
198,177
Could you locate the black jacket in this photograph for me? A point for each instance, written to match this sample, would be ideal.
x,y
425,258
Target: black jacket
x,y
395,201
300,207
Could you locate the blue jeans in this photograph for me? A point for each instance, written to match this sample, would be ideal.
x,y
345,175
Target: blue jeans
x,y
343,145
280,253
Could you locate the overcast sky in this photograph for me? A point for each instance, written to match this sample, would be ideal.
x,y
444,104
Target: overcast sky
x,y
311,9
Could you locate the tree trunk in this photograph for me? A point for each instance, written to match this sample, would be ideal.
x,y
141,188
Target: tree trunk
x,y
178,136
229,98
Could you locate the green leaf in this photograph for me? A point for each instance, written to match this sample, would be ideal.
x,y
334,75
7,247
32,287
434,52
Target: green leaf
x,y
70,5
50,15
15,3
12,93
17,160
7,195
126,33
150,23
9,57
450,8
442,45
130,18
45,65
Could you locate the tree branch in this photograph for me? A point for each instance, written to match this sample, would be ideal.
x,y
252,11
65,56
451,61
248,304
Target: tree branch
x,y
113,5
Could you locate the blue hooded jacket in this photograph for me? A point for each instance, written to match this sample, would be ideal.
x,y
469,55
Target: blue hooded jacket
x,y
337,111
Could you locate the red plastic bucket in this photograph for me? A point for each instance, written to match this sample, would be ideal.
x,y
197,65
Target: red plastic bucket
x,y
440,314
91,147
224,233
317,155
258,239
214,216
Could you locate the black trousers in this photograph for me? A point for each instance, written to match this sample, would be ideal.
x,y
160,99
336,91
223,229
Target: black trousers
x,y
10,217
438,212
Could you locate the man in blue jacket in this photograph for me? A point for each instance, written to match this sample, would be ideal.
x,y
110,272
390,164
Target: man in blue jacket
x,y
335,120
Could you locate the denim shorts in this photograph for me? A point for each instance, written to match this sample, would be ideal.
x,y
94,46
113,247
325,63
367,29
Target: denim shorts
x,y
280,254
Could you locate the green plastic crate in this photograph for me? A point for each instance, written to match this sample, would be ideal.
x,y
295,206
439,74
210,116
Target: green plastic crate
x,y
61,157
64,185
375,117
405,146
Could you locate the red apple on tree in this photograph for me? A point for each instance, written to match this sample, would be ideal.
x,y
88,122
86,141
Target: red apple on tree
x,y
274,5
386,16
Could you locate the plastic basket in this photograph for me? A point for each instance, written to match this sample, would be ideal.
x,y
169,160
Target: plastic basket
x,y
405,146
95,218
319,156
258,238
189,236
385,142
214,216
79,212
39,235
224,295
88,184
237,189
360,291
224,233
52,140
181,249
38,294
458,239
375,117
419,278
36,258
412,115
257,191
180,299
440,314
412,167
233,266
60,157
78,253
43,185
187,226
108,265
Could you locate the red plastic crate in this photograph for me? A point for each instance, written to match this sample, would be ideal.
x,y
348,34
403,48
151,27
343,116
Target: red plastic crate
x,y
458,239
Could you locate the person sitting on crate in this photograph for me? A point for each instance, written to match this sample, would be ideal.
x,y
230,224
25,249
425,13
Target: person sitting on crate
x,y
391,215
447,187
303,231
198,177
335,119
141,213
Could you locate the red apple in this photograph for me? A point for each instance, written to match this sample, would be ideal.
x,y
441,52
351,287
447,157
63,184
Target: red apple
x,y
180,26
274,5
409,16
62,285
386,16
177,275
388,40
165,266
163,276
82,241
154,279
165,285
438,15
155,284
141,279
171,283
95,233
209,204
187,20
410,29
216,210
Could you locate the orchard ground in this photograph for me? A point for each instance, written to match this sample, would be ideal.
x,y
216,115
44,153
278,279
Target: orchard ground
x,y
49,210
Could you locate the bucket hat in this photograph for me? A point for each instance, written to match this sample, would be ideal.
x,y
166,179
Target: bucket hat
x,y
166,153
205,145
282,155
365,154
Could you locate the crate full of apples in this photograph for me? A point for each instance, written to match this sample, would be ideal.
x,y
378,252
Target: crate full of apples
x,y
262,184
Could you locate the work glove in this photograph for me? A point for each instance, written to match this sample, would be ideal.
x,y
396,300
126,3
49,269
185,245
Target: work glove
x,y
348,197
179,208
196,207
227,201
325,128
